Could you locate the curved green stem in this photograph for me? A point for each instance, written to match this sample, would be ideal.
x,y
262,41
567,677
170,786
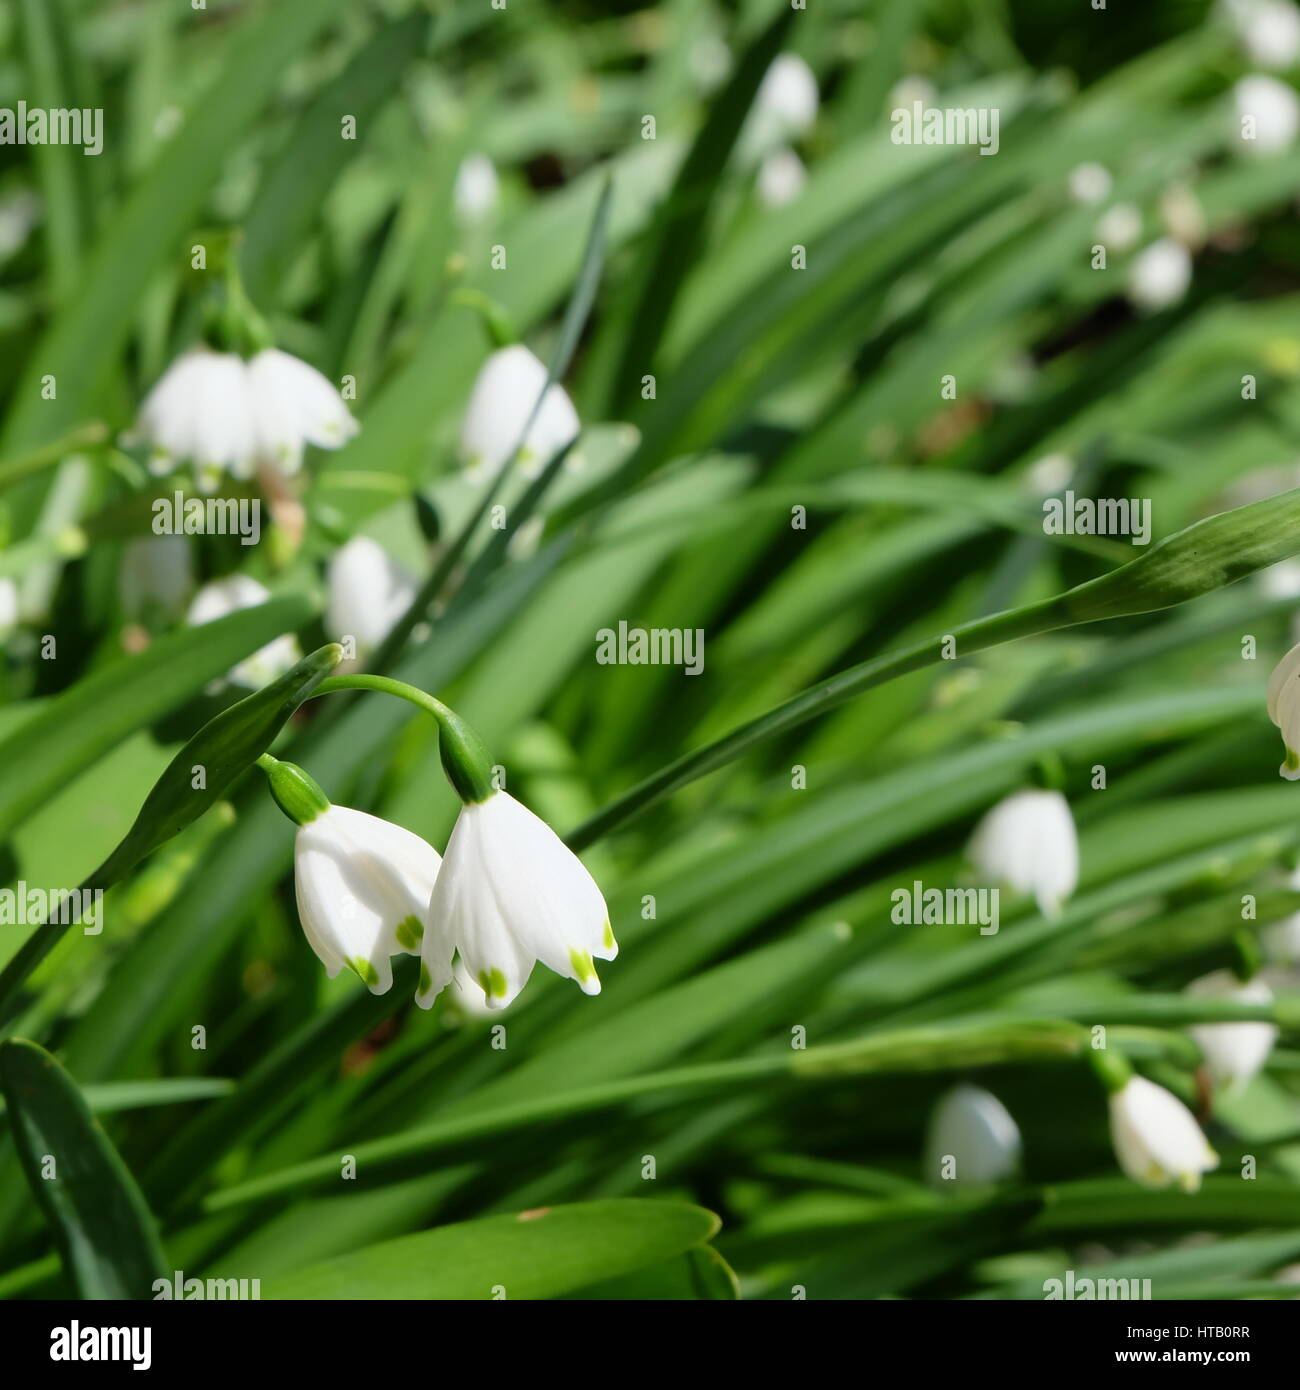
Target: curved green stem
x,y
464,755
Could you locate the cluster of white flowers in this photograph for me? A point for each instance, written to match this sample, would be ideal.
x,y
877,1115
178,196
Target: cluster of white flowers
x,y
225,414
508,893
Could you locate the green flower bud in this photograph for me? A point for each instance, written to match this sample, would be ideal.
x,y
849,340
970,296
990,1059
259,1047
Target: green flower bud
x,y
295,792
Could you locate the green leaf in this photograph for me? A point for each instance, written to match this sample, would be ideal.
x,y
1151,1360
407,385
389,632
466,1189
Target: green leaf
x,y
105,1232
537,1254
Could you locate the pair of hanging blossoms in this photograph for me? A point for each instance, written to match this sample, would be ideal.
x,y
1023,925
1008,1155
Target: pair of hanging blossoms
x,y
507,894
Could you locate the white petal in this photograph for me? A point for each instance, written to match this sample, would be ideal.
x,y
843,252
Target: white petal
x,y
974,1128
368,592
1156,1137
505,391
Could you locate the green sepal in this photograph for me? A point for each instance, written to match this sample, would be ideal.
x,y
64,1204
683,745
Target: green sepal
x,y
1111,1068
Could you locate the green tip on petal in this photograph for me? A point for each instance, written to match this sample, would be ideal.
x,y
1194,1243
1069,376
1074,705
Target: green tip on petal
x,y
410,932
583,967
1292,761
609,937
364,971
492,983
426,980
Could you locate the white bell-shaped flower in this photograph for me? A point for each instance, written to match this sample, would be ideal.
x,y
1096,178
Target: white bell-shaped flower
x,y
1283,700
363,887
1090,183
293,406
1119,229
201,410
368,593
1233,1052
1028,842
1156,1137
156,577
512,893
781,178
220,597
972,1139
508,386
1267,30
477,188
785,106
1268,114
1159,276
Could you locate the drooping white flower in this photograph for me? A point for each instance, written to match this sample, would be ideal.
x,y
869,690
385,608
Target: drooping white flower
x,y
156,577
201,410
222,596
1233,1052
784,109
781,178
228,415
1267,30
293,406
1268,114
1160,275
511,893
1156,1137
1028,841
971,1127
363,887
8,607
1283,701
507,388
1089,183
477,188
1120,228
368,593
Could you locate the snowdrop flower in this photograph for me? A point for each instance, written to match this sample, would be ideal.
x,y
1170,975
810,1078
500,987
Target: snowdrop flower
x,y
1233,1052
156,577
1120,228
368,593
1267,30
1156,1138
293,406
1159,275
973,1128
1089,183
477,188
784,109
222,596
201,409
1050,474
1283,701
1268,114
362,884
228,415
1028,841
8,607
781,178
511,893
507,388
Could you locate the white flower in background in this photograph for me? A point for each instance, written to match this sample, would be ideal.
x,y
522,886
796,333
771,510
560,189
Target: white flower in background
x,y
907,91
709,61
1120,228
19,213
1267,30
1050,474
973,1127
363,887
784,109
1283,700
1156,1138
1281,580
1268,114
1183,215
156,577
512,893
504,394
1233,1052
201,409
228,415
781,178
1283,938
1159,276
1090,183
1028,841
8,607
293,406
368,593
477,188
222,596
